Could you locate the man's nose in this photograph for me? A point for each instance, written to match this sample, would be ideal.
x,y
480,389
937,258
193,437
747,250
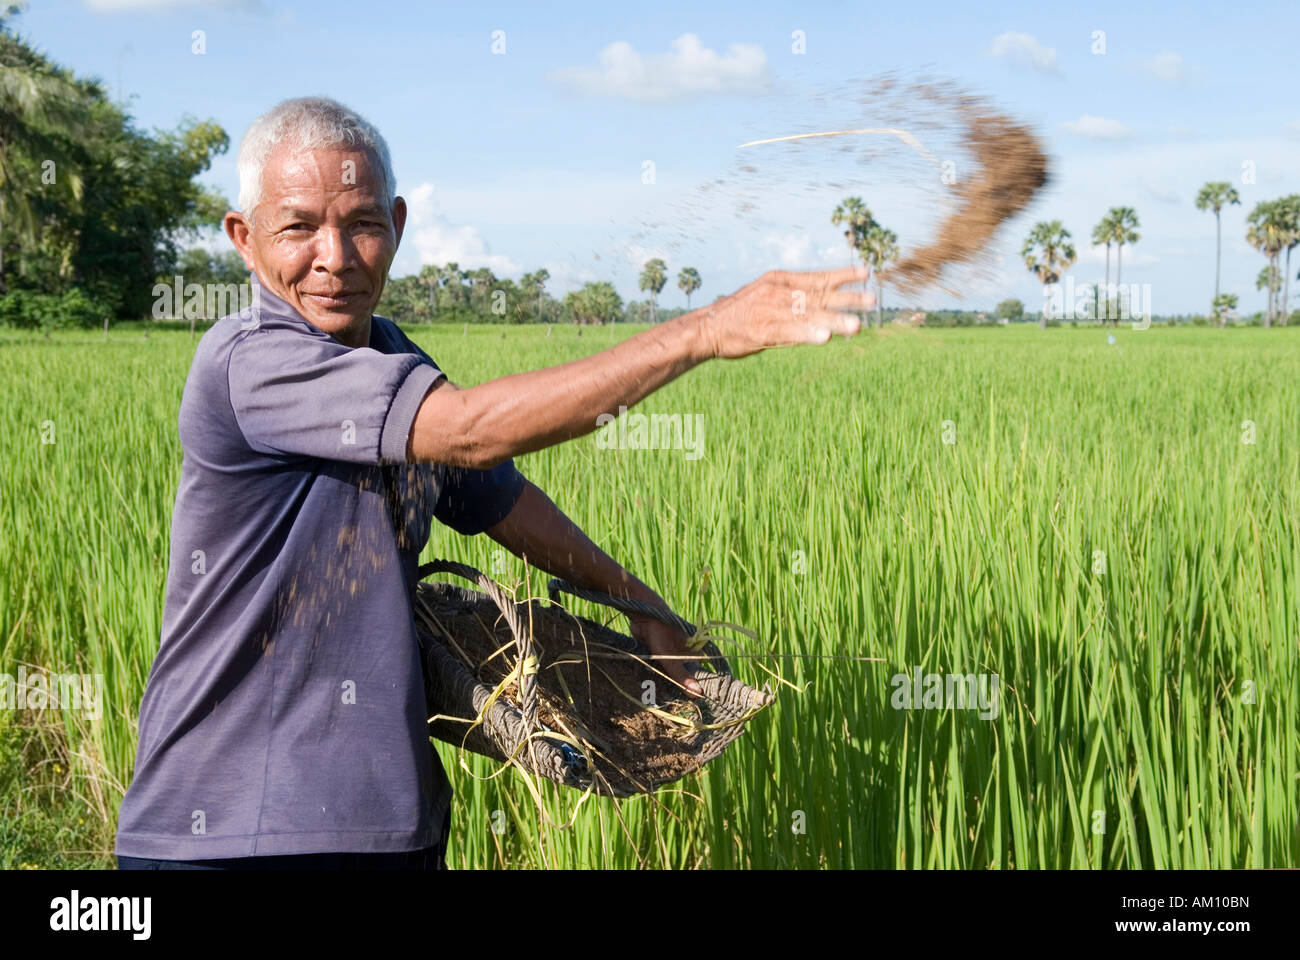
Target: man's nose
x,y
335,250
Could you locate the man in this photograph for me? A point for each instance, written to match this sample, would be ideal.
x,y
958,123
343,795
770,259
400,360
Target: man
x,y
283,724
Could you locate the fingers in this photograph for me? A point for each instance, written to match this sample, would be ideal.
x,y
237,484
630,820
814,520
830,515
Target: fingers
x,y
678,671
819,279
837,278
690,684
850,300
844,323
820,326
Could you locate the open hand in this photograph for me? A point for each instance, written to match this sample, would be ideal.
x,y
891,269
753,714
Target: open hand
x,y
782,309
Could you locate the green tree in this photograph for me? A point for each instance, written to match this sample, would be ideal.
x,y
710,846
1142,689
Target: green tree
x,y
1124,227
200,265
594,303
1103,232
451,285
688,281
879,248
1266,232
870,242
1215,195
429,283
88,200
1048,253
43,115
1010,310
1288,212
857,221
1222,305
653,277
533,286
1269,279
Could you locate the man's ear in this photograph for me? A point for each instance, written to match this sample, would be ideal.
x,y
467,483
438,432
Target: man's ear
x,y
399,219
238,230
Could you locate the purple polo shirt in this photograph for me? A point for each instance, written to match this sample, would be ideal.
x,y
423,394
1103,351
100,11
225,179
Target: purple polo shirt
x,y
285,709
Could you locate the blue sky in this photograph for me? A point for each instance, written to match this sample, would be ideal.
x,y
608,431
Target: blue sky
x,y
537,156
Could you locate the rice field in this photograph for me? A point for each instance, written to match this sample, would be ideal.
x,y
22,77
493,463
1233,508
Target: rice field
x,y
1108,536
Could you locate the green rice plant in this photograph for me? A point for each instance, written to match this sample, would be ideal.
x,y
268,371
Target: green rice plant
x,y
1114,534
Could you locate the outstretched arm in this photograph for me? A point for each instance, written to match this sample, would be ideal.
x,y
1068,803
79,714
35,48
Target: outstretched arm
x,y
483,425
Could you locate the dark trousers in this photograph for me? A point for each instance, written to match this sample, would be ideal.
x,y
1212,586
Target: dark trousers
x,y
430,858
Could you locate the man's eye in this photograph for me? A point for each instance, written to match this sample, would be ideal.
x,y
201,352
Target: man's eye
x,y
297,226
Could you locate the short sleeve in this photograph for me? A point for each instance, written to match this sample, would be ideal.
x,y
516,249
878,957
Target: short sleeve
x,y
471,501
297,393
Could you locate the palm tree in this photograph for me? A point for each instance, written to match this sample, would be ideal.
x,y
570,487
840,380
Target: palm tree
x,y
879,248
868,240
534,286
653,277
1267,234
1124,224
688,281
1268,280
1048,253
1289,214
1214,196
1102,233
451,284
1223,303
853,215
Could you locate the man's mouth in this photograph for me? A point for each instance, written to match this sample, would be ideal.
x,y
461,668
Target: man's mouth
x,y
343,298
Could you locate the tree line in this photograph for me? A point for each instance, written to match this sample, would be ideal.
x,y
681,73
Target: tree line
x,y
92,209
449,293
1272,228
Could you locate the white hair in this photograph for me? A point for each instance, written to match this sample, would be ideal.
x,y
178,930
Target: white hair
x,y
307,123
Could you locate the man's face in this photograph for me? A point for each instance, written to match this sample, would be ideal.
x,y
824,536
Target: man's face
x,y
324,236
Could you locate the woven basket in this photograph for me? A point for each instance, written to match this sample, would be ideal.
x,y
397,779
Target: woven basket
x,y
612,753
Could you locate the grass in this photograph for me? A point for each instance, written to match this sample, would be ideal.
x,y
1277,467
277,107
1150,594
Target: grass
x,y
1097,534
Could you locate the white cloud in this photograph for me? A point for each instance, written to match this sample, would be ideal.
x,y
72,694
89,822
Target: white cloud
x,y
1293,128
690,69
437,240
1097,128
1023,49
790,250
1168,66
